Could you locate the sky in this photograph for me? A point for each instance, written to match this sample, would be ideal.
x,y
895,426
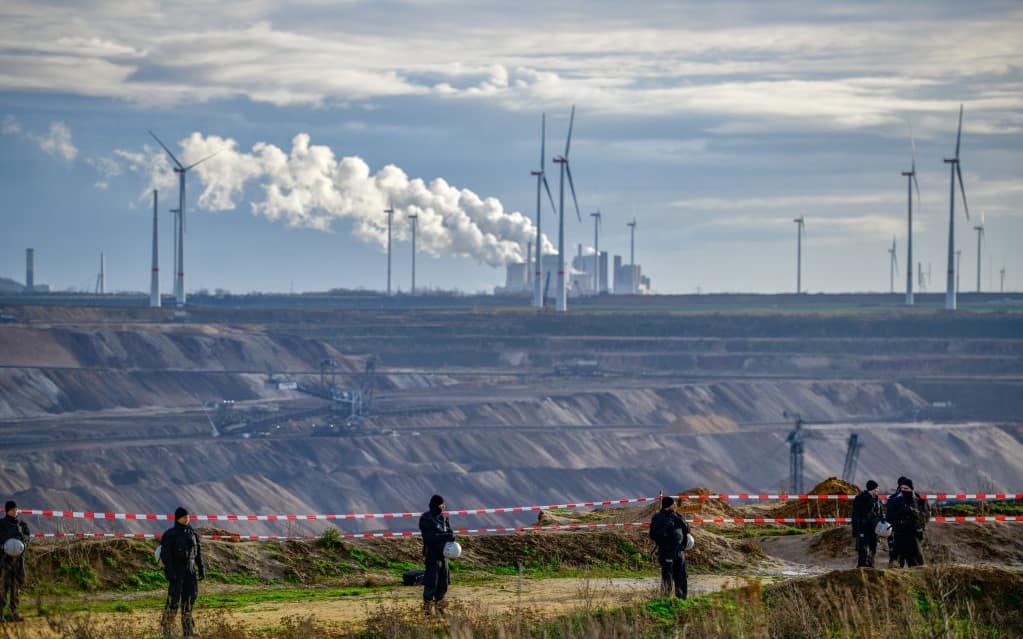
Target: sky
x,y
714,125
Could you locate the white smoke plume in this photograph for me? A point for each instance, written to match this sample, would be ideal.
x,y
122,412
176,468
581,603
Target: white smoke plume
x,y
310,188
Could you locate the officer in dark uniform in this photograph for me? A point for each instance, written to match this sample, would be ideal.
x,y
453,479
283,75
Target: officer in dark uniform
x,y
908,513
668,529
12,569
865,514
436,531
183,565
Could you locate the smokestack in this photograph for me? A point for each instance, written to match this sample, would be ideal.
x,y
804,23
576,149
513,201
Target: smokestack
x,y
30,269
154,276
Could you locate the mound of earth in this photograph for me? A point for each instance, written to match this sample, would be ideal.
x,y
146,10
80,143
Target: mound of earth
x,y
819,507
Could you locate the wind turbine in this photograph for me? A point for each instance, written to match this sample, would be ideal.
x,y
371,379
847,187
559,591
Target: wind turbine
x,y
390,214
980,240
894,266
1002,274
154,275
910,183
415,221
954,171
800,232
920,276
562,292
959,255
596,253
541,180
179,261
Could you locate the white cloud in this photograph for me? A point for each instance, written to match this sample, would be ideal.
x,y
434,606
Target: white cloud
x,y
10,125
57,142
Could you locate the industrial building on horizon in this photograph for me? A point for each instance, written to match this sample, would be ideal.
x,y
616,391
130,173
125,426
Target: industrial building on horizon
x,y
588,276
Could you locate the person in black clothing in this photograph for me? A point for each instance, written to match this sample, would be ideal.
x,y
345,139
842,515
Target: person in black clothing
x,y
436,531
668,529
865,515
908,513
181,556
12,569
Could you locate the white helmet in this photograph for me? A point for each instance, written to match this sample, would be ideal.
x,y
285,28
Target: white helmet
x,y
883,529
14,547
452,550
156,553
690,542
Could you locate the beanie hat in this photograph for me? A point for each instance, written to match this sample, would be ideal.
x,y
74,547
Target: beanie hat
x,y
9,505
180,512
871,484
666,501
436,501
907,482
901,481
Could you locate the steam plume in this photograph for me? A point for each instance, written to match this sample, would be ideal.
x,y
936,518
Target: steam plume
x,y
310,188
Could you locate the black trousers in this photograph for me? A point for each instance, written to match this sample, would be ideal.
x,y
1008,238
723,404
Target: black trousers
x,y
12,576
866,548
673,569
182,591
436,579
907,548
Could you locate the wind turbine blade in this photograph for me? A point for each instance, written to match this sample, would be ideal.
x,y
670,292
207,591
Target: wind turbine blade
x,y
959,133
165,149
549,196
568,141
962,189
568,171
912,144
195,164
543,143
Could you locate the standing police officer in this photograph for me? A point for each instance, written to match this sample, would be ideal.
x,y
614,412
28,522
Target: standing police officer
x,y
12,570
436,531
908,513
183,565
866,512
669,529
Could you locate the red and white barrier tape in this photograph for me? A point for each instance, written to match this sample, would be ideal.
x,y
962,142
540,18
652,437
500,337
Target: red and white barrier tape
x,y
77,514
520,529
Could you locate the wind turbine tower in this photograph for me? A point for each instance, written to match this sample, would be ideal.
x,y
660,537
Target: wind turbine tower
x,y
101,279
596,252
154,273
541,180
910,183
414,218
980,244
390,215
959,255
562,291
800,232
955,170
893,268
1002,274
179,261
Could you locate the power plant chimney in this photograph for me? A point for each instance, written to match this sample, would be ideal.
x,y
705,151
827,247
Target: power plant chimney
x,y
154,276
30,269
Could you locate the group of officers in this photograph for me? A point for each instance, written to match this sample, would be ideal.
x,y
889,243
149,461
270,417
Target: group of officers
x,y
901,520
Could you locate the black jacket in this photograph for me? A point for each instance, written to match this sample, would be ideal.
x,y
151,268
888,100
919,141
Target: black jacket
x,y
13,528
865,513
181,552
908,512
668,529
436,532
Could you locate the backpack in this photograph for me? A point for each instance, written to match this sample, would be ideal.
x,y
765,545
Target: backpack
x,y
413,577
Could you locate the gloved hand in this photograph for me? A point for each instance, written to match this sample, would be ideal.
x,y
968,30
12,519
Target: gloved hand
x,y
201,573
920,535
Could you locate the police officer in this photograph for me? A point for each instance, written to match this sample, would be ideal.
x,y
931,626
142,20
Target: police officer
x,y
669,529
183,565
12,569
436,531
908,513
865,514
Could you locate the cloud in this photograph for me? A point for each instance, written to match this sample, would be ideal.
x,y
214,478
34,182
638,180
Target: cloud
x,y
309,187
10,125
57,142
